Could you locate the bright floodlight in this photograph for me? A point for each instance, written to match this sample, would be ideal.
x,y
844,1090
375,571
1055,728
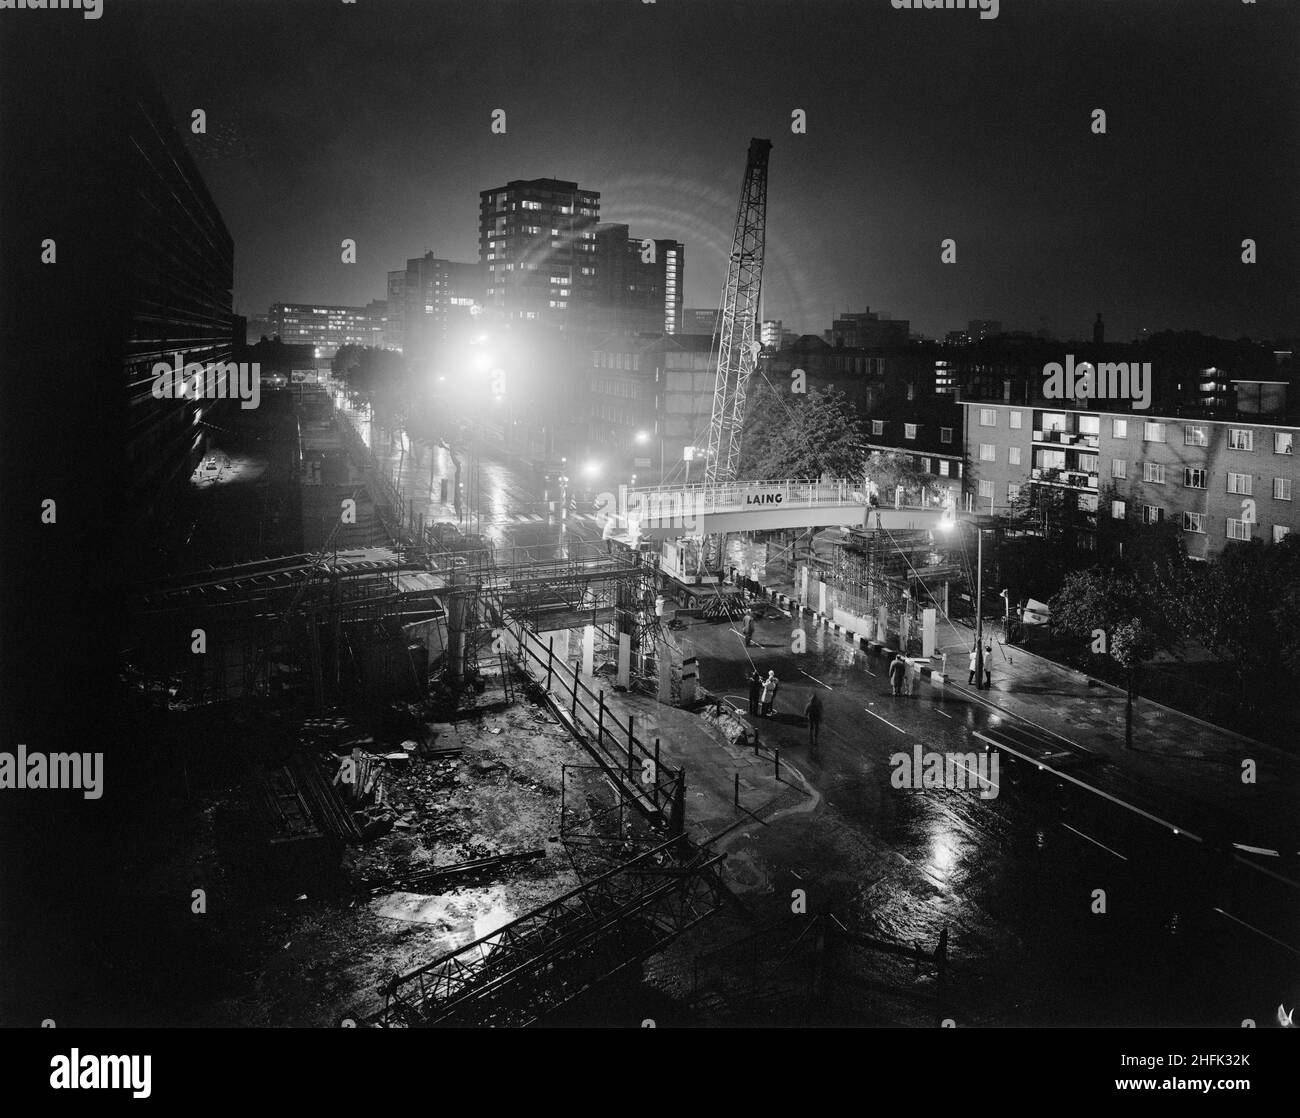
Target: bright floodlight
x,y
643,436
482,361
591,469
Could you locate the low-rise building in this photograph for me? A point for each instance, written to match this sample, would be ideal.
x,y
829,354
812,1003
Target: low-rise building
x,y
1219,479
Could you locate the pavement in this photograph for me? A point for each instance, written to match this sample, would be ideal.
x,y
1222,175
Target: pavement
x,y
1213,775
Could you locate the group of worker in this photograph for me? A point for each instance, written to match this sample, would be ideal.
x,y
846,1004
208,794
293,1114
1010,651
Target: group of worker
x,y
762,694
902,674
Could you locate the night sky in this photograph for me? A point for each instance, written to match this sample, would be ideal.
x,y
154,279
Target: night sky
x,y
330,120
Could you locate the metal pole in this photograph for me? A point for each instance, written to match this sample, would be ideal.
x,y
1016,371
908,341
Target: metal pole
x,y
979,609
574,710
600,721
550,661
630,741
656,782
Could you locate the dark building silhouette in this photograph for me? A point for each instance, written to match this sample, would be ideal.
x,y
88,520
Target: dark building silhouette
x,y
636,295
114,258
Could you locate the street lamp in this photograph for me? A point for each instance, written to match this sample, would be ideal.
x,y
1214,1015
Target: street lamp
x,y
947,521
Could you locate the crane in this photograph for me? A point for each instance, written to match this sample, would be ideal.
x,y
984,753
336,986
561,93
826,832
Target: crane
x,y
739,344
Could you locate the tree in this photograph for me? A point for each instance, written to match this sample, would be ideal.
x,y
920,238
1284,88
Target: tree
x,y
803,436
893,470
1243,606
1121,617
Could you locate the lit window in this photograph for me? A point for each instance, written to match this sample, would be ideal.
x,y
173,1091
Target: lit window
x,y
1280,532
1013,491
1241,438
945,434
1013,456
1239,483
1118,509
1153,432
1238,529
1152,514
877,426
943,467
1194,436
988,417
909,430
1118,467
1194,522
1119,428
1282,441
986,489
1153,472
1281,489
1016,420
988,452
1194,478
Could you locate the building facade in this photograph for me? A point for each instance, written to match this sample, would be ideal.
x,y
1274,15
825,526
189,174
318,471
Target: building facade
x,y
639,283
327,328
537,251
1219,480
650,400
699,320
428,300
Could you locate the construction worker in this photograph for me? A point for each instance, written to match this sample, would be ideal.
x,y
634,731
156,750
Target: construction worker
x,y
770,684
755,689
813,712
897,670
749,627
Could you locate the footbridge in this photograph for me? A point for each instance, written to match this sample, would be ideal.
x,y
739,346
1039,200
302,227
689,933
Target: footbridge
x,y
665,512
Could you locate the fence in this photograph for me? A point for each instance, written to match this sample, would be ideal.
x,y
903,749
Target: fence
x,y
619,745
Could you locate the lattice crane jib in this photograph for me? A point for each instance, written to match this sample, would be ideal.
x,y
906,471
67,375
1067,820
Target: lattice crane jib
x,y
738,343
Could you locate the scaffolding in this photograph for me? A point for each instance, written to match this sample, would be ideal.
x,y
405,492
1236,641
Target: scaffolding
x,y
528,969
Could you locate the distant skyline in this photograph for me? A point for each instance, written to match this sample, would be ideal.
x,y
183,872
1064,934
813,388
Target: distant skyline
x,y
372,121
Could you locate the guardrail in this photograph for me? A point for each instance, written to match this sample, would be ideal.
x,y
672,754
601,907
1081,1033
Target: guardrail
x,y
626,754
788,493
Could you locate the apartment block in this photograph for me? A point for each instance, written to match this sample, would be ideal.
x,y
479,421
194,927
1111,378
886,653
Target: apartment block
x,y
537,250
1220,480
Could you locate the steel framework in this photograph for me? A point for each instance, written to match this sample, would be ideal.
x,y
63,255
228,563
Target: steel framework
x,y
532,966
739,345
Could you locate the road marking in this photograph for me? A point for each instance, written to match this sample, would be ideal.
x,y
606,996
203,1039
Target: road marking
x,y
869,672
1243,923
1089,788
1095,842
885,721
816,680
944,713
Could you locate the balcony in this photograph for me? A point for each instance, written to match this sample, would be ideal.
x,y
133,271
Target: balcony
x,y
1067,438
1065,479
